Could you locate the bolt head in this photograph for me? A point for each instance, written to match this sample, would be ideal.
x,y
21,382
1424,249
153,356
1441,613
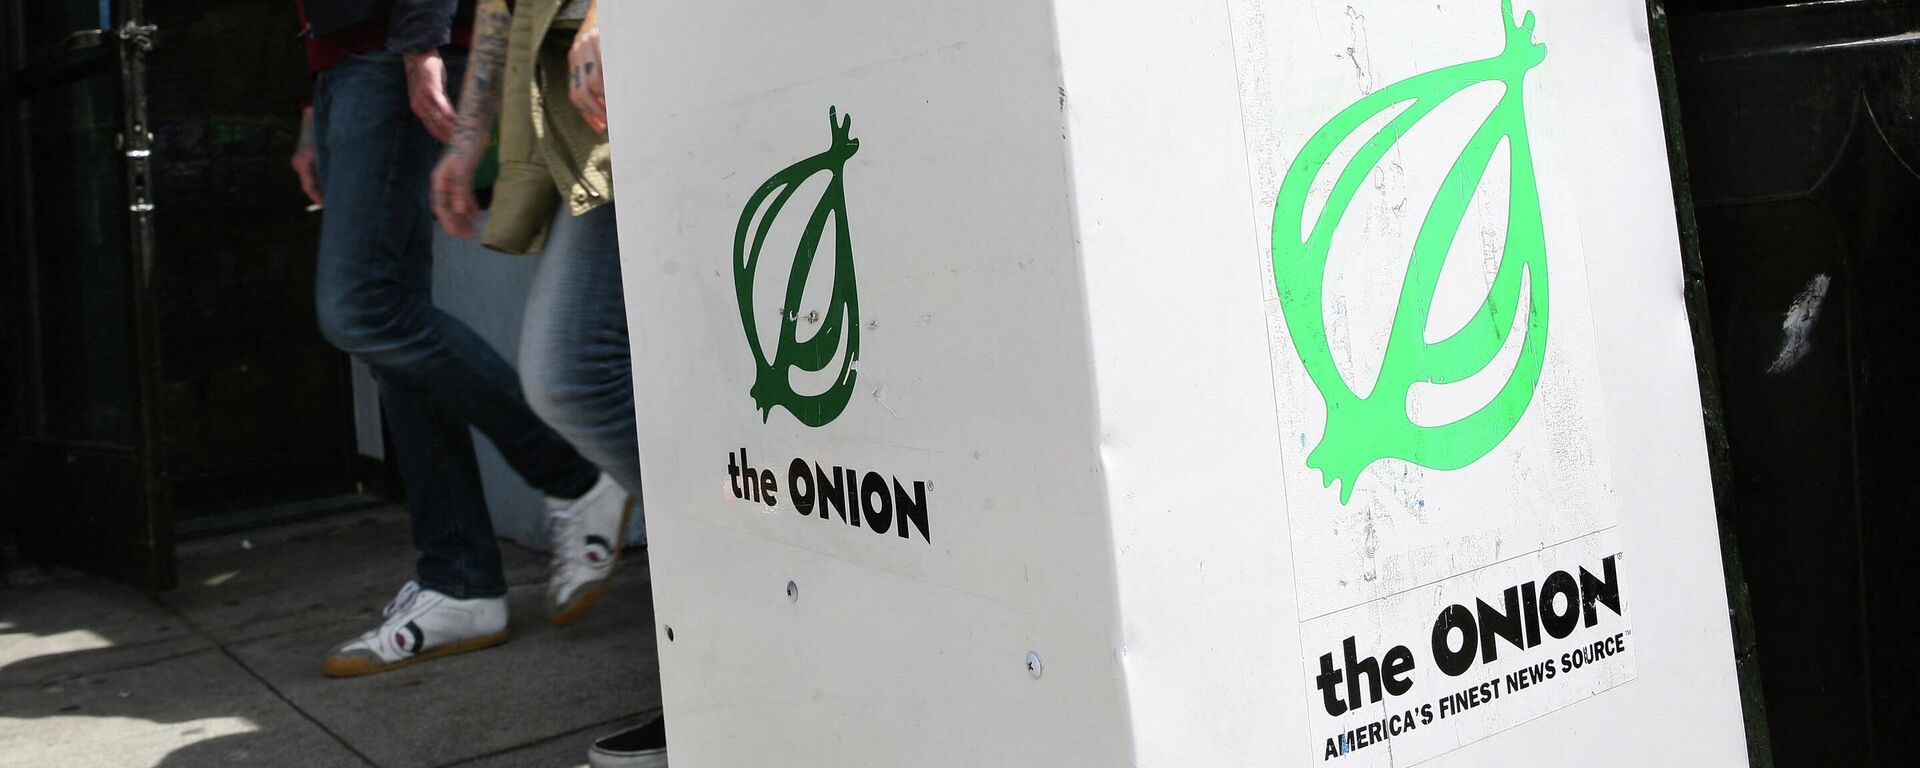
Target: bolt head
x,y
1034,665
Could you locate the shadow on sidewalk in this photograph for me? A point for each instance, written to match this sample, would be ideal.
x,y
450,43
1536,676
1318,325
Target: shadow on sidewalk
x,y
226,669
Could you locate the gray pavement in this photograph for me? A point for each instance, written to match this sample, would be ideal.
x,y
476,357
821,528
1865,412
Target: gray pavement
x,y
225,670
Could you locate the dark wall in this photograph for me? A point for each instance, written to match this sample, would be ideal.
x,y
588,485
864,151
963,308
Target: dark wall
x,y
11,280
13,274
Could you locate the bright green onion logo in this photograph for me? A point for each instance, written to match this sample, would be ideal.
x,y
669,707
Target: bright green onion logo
x,y
1363,430
772,382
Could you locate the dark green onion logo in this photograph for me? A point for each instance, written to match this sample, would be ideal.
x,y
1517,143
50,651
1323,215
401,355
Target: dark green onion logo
x,y
1363,430
772,381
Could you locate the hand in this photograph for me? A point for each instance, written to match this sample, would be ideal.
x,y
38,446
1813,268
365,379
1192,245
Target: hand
x,y
427,92
453,201
304,160
586,85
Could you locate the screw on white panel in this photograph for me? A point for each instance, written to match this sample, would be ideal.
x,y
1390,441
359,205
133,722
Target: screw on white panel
x,y
793,592
1034,665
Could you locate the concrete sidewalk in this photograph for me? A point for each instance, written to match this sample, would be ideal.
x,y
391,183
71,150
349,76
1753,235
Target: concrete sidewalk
x,y
225,670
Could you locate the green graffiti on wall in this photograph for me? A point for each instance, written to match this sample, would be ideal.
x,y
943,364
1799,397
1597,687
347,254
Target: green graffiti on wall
x,y
1363,430
772,382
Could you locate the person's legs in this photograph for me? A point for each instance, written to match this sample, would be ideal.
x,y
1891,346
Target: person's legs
x,y
575,361
459,554
374,267
373,293
575,364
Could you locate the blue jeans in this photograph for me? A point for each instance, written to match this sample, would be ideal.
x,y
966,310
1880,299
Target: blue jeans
x,y
575,362
373,292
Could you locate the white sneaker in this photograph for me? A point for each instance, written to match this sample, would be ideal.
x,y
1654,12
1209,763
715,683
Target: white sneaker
x,y
587,533
421,624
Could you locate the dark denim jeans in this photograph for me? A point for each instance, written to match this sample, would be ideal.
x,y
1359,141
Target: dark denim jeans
x,y
374,300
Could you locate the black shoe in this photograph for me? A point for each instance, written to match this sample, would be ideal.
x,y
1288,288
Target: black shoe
x,y
642,746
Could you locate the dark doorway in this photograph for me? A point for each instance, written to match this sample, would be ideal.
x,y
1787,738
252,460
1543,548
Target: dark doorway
x,y
170,379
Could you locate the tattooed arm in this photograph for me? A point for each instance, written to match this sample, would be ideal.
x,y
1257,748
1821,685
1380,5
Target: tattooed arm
x,y
587,90
453,201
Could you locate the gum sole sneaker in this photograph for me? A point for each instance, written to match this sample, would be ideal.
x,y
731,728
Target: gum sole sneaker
x,y
588,593
352,664
420,624
642,746
586,535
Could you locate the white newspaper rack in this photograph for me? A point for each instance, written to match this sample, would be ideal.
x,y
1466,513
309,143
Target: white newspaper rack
x,y
1165,383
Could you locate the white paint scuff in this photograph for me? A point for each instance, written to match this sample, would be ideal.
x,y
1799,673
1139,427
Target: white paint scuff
x,y
1796,331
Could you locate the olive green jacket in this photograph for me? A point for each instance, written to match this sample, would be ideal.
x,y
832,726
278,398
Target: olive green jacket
x,y
548,154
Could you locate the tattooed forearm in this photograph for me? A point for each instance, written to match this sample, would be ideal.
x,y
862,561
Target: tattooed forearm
x,y
486,69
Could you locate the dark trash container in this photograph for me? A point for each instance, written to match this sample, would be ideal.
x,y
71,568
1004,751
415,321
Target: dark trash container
x,y
1803,144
